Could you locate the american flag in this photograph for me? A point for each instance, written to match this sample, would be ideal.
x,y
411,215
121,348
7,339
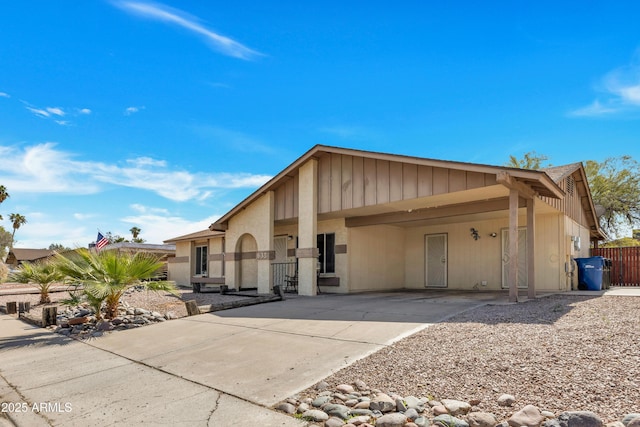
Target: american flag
x,y
101,241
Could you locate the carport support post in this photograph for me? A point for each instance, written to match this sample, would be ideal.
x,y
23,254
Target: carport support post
x,y
513,245
531,248
307,253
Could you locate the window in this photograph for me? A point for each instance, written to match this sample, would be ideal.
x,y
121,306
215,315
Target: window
x,y
201,260
327,249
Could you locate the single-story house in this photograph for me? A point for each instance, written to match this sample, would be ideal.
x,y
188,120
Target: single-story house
x,y
17,256
164,252
343,220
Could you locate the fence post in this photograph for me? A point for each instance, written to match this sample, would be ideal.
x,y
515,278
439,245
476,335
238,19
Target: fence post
x,y
49,316
12,307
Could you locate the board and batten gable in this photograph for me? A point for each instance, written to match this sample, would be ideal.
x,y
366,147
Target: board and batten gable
x,y
349,182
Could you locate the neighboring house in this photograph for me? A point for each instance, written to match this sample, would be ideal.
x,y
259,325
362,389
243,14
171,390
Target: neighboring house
x,y
343,220
165,253
17,256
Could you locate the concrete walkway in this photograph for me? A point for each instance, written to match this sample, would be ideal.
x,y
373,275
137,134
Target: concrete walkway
x,y
218,369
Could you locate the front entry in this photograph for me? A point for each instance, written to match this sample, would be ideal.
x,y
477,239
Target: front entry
x,y
435,249
523,277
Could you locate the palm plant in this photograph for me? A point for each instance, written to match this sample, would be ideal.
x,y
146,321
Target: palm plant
x,y
106,275
17,221
41,274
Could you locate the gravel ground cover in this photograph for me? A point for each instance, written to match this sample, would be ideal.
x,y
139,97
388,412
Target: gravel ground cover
x,y
558,353
161,302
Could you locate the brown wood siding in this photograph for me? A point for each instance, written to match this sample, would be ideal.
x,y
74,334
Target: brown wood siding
x,y
571,204
346,182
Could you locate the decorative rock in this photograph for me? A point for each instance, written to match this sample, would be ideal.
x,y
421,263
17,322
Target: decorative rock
x,y
628,418
322,385
579,419
412,414
360,385
529,416
616,424
78,320
361,412
352,402
303,407
400,405
334,422
345,388
383,403
363,405
340,411
634,423
315,415
415,403
456,407
506,400
447,420
481,419
421,422
439,410
359,420
286,407
391,420
321,400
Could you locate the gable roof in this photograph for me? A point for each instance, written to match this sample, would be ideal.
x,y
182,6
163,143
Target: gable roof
x,y
202,234
18,255
539,181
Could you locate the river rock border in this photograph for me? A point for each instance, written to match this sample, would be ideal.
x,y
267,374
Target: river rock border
x,y
358,405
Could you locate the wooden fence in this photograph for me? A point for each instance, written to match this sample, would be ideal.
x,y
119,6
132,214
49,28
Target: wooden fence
x,y
625,264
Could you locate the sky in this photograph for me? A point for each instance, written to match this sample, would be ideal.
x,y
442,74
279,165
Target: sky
x,y
164,115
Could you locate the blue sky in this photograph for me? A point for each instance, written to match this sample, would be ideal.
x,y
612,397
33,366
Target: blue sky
x,y
116,114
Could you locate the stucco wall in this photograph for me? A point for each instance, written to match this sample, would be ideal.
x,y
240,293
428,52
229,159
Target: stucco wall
x,y
179,271
376,258
470,262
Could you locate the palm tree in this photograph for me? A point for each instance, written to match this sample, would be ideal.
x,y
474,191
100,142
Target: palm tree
x,y
135,231
41,274
3,196
16,220
108,274
3,193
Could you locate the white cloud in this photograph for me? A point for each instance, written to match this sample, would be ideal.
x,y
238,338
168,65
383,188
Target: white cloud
x,y
621,92
593,109
39,112
84,111
44,169
158,227
163,13
4,95
56,110
131,110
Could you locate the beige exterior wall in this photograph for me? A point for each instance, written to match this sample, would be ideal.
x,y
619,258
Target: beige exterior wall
x,y
470,262
376,258
178,268
257,221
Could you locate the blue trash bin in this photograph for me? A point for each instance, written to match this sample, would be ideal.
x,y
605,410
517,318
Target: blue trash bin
x,y
590,273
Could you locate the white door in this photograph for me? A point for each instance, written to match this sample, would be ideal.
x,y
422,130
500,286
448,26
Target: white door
x,y
435,249
523,277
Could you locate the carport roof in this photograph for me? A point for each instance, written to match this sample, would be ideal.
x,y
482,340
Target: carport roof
x,y
538,181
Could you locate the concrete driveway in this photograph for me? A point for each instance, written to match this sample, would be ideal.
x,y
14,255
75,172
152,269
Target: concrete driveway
x,y
213,369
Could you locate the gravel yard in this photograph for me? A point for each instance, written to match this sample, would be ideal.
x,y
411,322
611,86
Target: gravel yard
x,y
161,302
557,353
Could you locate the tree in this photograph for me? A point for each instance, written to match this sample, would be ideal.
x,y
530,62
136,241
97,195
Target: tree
x,y
108,274
17,221
615,186
58,247
531,160
5,242
623,242
41,274
3,196
135,231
